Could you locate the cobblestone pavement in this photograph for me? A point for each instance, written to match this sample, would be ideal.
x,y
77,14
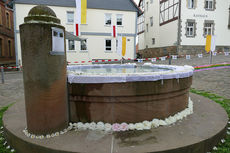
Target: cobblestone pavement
x,y
215,81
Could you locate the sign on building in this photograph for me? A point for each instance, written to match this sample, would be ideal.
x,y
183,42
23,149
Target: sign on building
x,y
58,47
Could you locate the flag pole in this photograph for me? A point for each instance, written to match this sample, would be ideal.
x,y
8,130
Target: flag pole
x,y
210,62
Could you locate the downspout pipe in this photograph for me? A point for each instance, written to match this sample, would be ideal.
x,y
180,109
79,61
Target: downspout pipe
x,y
179,28
135,37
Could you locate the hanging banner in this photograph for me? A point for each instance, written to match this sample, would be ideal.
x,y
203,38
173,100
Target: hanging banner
x,y
213,43
83,11
119,45
77,18
114,31
80,17
208,43
123,46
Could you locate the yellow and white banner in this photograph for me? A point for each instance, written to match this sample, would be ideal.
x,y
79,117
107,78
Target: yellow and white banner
x,y
121,46
81,13
210,43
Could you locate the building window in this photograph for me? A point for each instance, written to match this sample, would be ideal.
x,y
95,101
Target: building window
x,y
71,44
208,28
226,49
191,4
8,20
119,19
9,48
108,45
108,19
70,17
84,45
147,27
151,21
153,41
209,4
190,29
1,48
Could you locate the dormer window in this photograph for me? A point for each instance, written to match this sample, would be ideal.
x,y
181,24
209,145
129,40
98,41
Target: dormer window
x,y
119,19
108,19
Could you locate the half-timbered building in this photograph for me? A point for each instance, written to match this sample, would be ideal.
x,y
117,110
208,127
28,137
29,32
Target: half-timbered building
x,y
181,26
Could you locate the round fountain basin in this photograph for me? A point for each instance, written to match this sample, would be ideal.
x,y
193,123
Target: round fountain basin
x,y
127,93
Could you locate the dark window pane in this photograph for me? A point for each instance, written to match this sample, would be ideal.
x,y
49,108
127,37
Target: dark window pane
x,y
61,35
55,33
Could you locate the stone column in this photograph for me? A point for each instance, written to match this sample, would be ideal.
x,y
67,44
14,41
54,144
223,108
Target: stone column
x,y
44,72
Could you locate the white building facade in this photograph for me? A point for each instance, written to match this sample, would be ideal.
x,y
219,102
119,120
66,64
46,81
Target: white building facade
x,y
97,32
181,26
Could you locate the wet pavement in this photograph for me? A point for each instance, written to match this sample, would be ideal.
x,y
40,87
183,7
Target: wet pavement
x,y
214,81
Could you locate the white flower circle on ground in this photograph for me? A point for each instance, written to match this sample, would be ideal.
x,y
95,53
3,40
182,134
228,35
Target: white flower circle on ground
x,y
116,127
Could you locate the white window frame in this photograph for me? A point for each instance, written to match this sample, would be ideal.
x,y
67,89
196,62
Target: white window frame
x,y
108,47
191,4
67,17
190,29
208,30
107,16
86,43
209,4
121,16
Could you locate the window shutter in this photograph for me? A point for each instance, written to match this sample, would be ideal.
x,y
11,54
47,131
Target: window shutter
x,y
195,3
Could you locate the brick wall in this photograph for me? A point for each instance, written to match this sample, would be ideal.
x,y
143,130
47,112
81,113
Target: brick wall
x,y
182,50
7,50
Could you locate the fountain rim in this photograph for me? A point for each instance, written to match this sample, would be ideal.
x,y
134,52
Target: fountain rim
x,y
176,72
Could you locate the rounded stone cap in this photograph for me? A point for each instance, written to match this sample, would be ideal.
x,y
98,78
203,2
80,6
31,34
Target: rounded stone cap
x,y
42,13
41,10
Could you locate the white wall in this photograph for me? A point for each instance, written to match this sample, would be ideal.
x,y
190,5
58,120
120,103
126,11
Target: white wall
x,y
95,24
168,34
220,16
165,35
153,31
141,41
